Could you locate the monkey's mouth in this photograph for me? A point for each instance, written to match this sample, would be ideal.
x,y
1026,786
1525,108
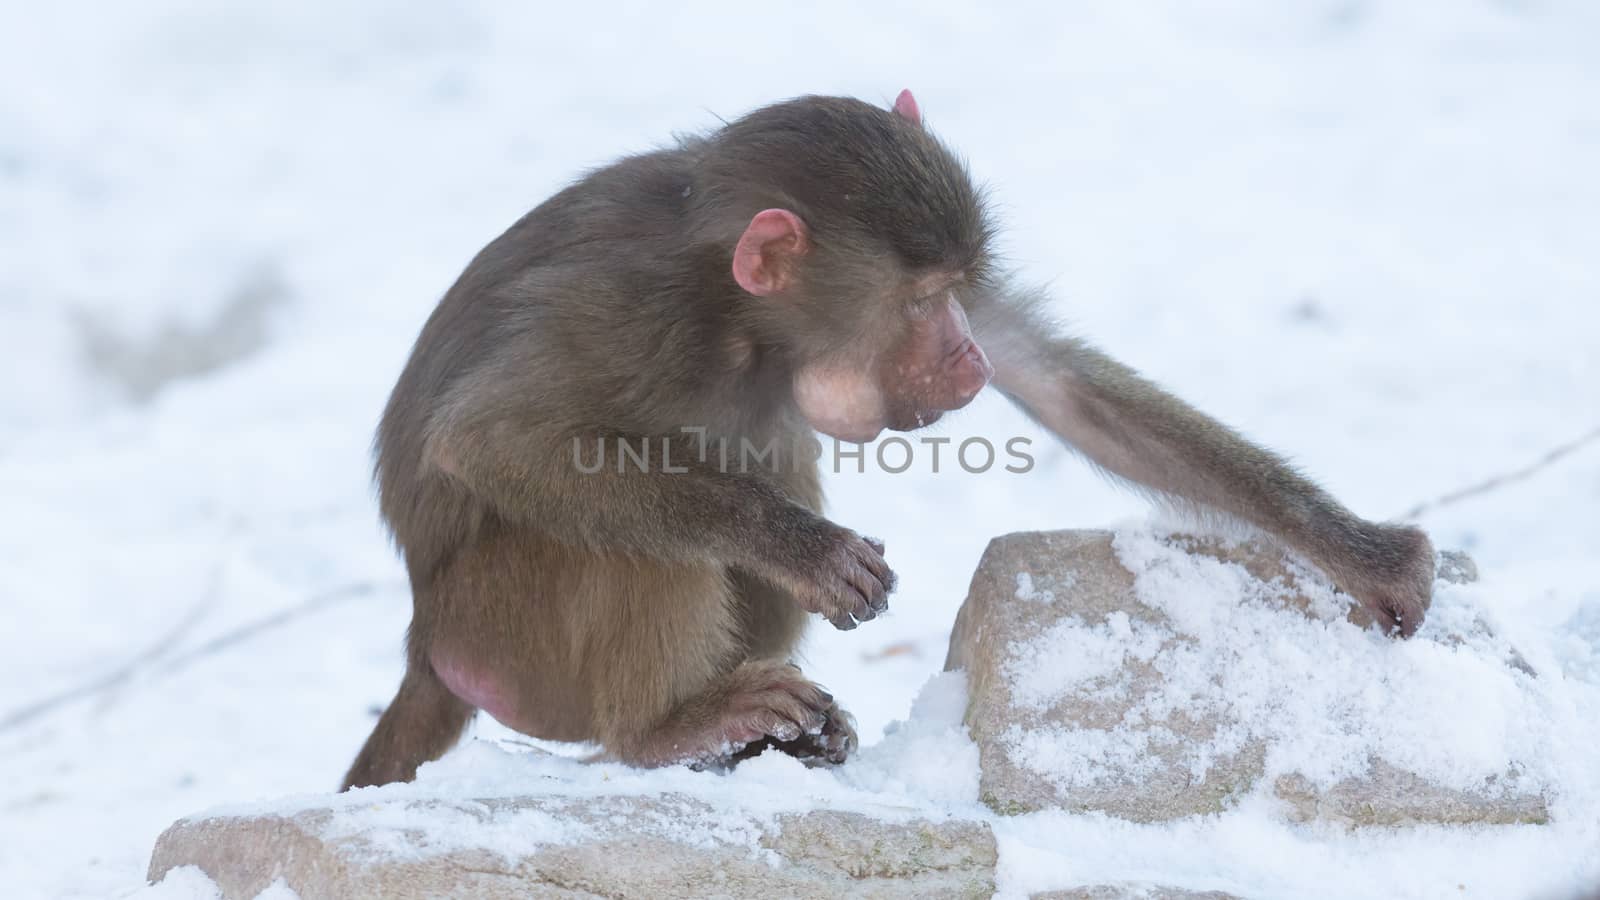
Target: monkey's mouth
x,y
911,420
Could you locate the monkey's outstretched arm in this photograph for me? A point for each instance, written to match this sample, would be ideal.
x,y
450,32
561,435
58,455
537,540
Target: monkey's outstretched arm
x,y
538,471
1135,430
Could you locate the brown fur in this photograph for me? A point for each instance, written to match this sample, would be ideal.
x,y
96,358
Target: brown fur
x,y
1139,433
654,612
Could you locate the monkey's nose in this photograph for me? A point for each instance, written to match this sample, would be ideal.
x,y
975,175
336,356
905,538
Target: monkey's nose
x,y
969,373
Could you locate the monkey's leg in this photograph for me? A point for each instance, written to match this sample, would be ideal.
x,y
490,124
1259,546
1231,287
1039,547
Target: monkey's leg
x,y
771,625
422,722
646,658
758,701
770,622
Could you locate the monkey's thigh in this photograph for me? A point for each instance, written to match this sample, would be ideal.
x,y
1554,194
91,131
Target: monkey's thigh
x,y
771,623
568,644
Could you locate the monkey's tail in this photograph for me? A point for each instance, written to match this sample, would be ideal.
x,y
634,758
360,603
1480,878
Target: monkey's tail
x,y
422,722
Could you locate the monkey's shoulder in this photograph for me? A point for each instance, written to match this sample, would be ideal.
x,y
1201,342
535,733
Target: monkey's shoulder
x,y
637,196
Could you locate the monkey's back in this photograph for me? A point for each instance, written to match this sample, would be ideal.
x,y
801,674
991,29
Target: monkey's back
x,y
591,301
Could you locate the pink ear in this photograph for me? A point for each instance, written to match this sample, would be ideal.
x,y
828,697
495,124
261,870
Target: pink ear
x,y
905,106
763,258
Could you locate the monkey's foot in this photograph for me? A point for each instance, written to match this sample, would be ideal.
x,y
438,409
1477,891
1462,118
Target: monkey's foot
x,y
831,744
772,702
760,701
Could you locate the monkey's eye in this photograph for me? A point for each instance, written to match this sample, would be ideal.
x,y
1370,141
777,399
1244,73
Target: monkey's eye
x,y
923,307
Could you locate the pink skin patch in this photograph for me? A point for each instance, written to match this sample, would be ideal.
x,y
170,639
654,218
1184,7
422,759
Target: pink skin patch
x,y
841,402
905,106
938,368
473,686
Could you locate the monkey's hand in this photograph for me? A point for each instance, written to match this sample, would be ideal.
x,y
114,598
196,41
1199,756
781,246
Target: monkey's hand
x,y
836,573
1397,586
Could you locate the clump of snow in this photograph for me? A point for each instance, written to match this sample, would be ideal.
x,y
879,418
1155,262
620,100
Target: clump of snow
x,y
277,890
187,883
927,758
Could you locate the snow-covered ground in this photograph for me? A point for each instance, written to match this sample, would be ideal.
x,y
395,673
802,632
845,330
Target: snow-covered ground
x,y
1366,234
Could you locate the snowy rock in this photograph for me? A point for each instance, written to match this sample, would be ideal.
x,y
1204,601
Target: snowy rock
x,y
1155,677
659,846
1131,890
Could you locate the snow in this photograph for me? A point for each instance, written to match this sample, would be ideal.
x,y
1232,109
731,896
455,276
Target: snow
x,y
1364,234
1324,696
189,883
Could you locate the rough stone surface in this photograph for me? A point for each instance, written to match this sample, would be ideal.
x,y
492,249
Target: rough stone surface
x,y
1090,584
616,847
1131,890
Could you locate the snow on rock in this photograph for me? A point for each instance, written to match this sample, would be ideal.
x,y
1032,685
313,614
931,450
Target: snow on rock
x,y
491,822
1131,891
1169,676
664,846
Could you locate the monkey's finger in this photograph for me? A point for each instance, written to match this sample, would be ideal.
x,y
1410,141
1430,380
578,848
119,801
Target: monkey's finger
x,y
869,576
879,599
867,597
784,730
790,716
842,621
878,595
816,697
838,736
851,590
1387,623
880,572
812,722
874,560
1406,621
802,703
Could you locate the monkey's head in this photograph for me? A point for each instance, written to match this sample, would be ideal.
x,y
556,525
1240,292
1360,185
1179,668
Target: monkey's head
x,y
861,235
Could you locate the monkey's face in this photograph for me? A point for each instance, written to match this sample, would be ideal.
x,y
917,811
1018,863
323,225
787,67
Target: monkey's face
x,y
930,365
898,351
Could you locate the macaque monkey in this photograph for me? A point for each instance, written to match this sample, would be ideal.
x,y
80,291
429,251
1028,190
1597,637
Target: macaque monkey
x,y
819,265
